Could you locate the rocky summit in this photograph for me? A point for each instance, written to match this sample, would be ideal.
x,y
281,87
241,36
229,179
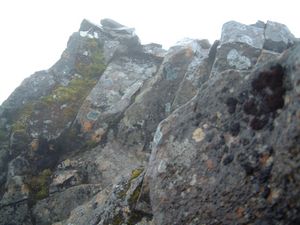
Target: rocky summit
x,y
118,133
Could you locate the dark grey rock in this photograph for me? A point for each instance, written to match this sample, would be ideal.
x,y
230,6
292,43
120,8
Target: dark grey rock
x,y
239,47
16,214
230,176
18,167
59,205
278,37
110,23
155,49
236,32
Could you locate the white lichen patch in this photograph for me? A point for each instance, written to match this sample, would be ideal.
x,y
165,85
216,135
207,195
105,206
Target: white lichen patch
x,y
198,135
162,167
246,39
235,59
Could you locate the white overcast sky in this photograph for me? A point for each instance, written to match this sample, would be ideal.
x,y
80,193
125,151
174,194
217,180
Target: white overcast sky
x,y
35,32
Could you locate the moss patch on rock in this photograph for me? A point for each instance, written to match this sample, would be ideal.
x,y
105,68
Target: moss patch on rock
x,y
95,65
3,135
135,173
39,185
77,90
22,117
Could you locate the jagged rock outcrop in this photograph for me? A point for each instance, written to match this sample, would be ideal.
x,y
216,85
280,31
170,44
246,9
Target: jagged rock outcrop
x,y
117,132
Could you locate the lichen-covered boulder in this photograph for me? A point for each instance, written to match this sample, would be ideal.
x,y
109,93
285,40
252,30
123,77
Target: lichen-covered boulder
x,y
149,108
114,92
239,47
234,160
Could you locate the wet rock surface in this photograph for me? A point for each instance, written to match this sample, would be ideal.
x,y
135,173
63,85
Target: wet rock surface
x,y
117,132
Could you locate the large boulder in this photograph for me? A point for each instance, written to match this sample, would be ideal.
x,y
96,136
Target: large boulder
x,y
278,37
235,159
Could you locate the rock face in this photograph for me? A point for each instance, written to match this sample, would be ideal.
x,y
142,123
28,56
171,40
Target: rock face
x,y
117,132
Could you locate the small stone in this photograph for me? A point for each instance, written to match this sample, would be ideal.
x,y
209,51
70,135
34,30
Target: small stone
x,y
231,104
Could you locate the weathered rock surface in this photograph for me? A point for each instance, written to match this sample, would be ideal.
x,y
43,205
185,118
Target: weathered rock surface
x,y
117,132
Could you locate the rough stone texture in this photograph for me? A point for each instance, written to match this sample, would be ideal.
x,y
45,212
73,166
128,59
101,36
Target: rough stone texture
x,y
239,48
278,37
236,32
16,214
115,91
142,117
235,160
122,133
59,205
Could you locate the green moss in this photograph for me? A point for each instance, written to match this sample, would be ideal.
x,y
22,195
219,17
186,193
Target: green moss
x,y
70,111
39,184
135,173
3,135
135,217
91,144
23,116
77,90
117,220
96,64
135,196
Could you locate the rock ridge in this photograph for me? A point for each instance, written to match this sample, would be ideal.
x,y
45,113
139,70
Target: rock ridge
x,y
117,132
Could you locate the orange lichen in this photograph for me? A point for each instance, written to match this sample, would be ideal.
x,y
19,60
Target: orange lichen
x,y
87,126
34,145
264,159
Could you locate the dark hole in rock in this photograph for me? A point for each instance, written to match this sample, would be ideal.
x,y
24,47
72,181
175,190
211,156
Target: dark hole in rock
x,y
272,78
249,169
250,107
270,85
245,141
250,166
231,104
264,174
258,123
268,91
274,101
198,116
266,192
243,96
234,129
